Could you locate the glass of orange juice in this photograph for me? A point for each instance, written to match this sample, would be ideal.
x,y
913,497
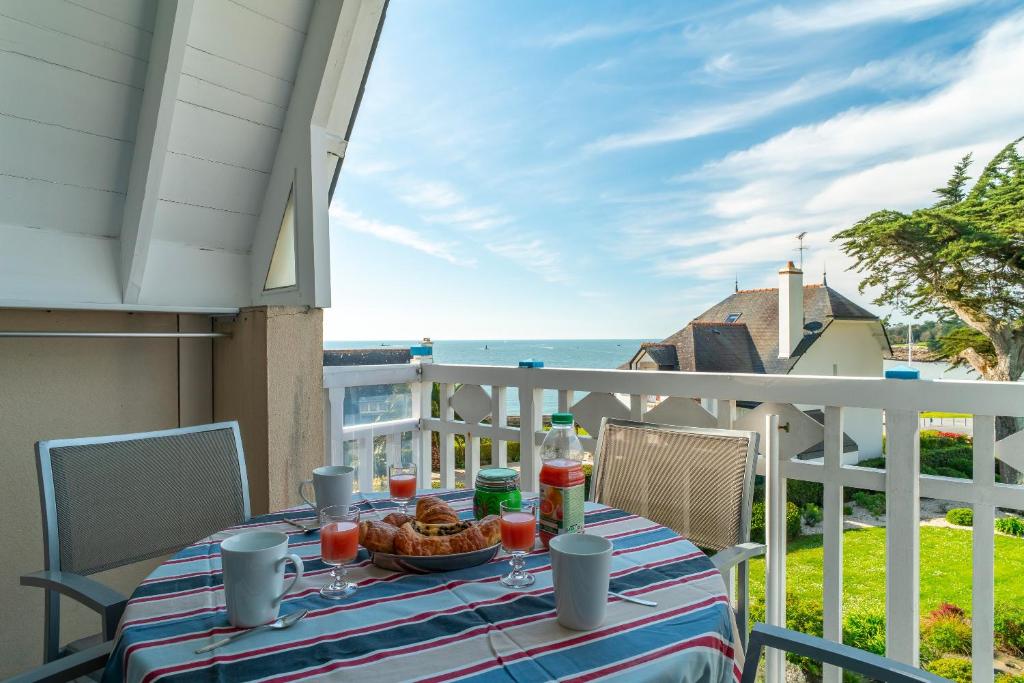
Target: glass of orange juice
x,y
518,535
339,545
402,484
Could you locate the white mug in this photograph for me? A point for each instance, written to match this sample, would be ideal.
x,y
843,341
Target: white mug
x,y
253,567
580,566
332,485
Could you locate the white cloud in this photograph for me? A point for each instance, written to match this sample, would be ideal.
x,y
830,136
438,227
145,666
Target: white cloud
x,y
982,103
473,218
397,234
535,255
595,32
429,194
842,14
697,122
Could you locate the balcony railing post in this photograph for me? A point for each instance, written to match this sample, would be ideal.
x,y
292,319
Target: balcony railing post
x,y
983,575
447,438
336,425
902,535
531,403
725,412
832,531
421,410
499,418
775,537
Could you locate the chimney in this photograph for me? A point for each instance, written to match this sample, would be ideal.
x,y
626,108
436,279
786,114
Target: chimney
x,y
791,309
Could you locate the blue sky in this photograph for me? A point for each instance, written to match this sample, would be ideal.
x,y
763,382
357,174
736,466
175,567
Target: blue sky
x,y
604,169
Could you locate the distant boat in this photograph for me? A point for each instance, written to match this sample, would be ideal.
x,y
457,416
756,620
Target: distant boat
x,y
485,347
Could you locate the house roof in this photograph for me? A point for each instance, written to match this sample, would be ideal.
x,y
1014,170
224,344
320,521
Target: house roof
x,y
751,343
381,356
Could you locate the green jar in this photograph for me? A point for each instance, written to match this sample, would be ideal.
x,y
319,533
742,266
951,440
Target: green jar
x,y
494,485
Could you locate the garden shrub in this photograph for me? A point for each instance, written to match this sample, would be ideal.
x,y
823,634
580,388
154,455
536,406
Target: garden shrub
x,y
757,522
960,516
945,631
956,669
876,463
812,514
800,493
1010,525
872,502
865,630
1010,630
804,616
1008,678
847,510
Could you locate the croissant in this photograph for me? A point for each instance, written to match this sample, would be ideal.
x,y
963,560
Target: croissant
x,y
487,533
377,536
433,510
397,519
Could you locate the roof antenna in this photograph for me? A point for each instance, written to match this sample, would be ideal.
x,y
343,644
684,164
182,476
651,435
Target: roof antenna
x,y
737,283
824,275
801,248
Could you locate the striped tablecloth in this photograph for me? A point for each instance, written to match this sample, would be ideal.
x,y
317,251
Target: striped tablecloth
x,y
460,625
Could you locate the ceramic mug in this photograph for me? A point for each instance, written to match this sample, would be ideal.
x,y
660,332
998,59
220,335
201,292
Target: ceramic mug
x,y
580,566
332,485
253,566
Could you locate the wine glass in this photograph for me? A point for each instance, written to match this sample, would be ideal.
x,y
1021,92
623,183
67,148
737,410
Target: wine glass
x,y
402,484
518,535
339,544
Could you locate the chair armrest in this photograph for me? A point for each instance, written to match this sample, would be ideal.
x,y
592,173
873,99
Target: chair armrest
x,y
70,667
730,557
107,602
844,656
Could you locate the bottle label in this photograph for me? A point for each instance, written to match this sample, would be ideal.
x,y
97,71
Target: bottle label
x,y
561,509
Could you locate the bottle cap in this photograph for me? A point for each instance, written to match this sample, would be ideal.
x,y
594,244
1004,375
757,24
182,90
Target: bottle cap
x,y
561,418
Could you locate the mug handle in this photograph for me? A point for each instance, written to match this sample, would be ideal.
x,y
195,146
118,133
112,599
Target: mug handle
x,y
299,569
303,495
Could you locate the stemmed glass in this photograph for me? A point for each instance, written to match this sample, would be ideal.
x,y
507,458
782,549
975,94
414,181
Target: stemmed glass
x,y
339,544
518,535
402,484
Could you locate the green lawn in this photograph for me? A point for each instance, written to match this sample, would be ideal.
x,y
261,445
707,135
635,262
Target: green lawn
x,y
945,569
937,414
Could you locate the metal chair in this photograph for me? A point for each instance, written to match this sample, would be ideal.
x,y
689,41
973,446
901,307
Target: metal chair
x,y
698,482
110,501
873,666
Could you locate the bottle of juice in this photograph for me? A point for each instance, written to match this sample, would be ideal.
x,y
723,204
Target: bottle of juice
x,y
561,480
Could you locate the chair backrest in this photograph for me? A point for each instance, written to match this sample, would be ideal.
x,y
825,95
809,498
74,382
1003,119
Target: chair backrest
x,y
698,482
112,500
874,667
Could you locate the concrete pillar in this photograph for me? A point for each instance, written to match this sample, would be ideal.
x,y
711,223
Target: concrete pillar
x,y
269,376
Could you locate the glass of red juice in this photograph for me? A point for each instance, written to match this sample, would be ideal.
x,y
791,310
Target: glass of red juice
x,y
339,545
518,536
402,484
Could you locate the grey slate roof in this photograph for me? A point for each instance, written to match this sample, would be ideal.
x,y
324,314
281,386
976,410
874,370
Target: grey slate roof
x,y
662,354
382,356
751,343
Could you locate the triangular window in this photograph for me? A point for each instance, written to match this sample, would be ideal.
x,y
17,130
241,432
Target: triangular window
x,y
282,263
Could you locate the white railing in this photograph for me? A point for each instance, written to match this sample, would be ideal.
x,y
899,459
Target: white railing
x,y
901,401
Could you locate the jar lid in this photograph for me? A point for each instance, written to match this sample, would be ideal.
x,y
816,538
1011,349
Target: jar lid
x,y
502,478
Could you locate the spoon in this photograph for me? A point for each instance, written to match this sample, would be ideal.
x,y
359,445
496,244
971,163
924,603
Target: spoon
x,y
630,598
300,525
281,623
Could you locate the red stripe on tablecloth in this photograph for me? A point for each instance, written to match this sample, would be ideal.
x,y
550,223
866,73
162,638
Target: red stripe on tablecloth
x,y
550,647
135,647
708,640
426,645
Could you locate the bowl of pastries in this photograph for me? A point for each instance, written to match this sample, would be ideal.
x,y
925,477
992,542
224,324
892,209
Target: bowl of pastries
x,y
435,540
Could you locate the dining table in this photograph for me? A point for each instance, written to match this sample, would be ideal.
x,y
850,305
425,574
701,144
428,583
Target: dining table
x,y
459,625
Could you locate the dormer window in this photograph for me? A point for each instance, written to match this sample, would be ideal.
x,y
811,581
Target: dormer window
x,y
733,317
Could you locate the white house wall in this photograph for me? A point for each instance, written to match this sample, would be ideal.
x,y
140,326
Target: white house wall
x,y
849,349
72,82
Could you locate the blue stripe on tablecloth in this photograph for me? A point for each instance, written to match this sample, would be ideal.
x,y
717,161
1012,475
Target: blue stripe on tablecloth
x,y
409,634
407,583
617,647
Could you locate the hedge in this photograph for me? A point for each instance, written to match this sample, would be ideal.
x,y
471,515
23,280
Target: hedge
x,y
757,522
960,516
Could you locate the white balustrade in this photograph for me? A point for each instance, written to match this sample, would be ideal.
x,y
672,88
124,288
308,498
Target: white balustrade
x,y
625,393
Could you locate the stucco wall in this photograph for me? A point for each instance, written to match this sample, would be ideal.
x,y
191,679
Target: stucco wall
x,y
849,349
54,388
